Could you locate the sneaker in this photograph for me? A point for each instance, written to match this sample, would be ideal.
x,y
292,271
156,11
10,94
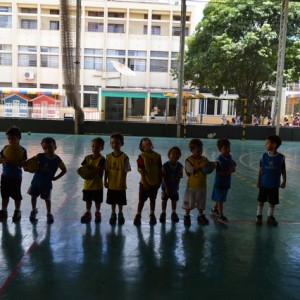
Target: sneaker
x,y
272,221
113,219
187,220
17,216
202,220
3,215
86,218
50,219
222,219
33,214
259,219
174,217
162,218
137,220
152,219
121,219
214,212
97,217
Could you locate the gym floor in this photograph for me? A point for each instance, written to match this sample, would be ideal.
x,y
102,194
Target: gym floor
x,y
70,260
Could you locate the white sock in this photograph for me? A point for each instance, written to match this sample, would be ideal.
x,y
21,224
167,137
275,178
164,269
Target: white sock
x,y
259,210
271,211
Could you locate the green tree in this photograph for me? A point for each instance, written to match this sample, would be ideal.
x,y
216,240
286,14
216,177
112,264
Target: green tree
x,y
236,46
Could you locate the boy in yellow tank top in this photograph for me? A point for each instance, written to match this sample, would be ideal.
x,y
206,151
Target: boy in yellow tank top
x,y
150,167
195,193
116,168
93,188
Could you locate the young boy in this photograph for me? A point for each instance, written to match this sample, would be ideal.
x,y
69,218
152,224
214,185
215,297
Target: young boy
x,y
195,194
41,184
150,167
116,169
172,172
93,188
225,166
272,167
11,178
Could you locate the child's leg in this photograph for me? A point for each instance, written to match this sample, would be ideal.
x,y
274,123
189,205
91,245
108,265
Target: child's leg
x,y
113,208
5,202
140,206
152,205
163,205
271,209
220,207
98,206
33,202
174,205
120,208
48,206
17,204
260,206
88,205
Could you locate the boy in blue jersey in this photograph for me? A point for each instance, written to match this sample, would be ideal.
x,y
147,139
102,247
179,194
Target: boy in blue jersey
x,y
225,166
272,167
41,184
11,177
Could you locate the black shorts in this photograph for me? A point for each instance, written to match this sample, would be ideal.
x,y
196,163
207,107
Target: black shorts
x,y
11,188
116,197
268,195
93,195
173,196
151,193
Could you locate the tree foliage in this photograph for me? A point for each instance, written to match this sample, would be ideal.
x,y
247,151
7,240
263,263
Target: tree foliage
x,y
236,46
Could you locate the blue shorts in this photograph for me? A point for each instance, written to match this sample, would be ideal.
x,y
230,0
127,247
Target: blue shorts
x,y
37,191
219,195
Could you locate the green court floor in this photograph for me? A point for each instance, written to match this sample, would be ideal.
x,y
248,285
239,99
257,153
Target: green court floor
x,y
70,260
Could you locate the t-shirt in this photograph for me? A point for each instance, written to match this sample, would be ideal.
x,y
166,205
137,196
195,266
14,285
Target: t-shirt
x,y
196,180
97,182
223,164
171,175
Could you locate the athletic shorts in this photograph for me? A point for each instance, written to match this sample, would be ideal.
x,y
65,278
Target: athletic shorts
x,y
194,198
173,196
11,188
93,195
151,193
219,195
116,197
36,191
268,195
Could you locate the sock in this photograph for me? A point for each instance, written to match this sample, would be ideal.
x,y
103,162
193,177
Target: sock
x,y
259,210
271,211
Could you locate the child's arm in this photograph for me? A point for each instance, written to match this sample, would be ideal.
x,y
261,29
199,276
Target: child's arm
x,y
259,177
141,169
62,173
283,173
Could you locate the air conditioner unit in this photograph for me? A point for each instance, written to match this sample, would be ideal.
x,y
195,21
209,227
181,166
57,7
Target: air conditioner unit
x,y
29,75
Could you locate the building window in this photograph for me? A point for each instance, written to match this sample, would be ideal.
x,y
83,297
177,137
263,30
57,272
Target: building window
x,y
49,61
5,59
93,63
115,15
49,86
175,65
92,13
54,25
138,65
23,48
95,27
27,85
28,24
28,10
163,54
158,65
54,11
90,100
27,60
116,28
4,47
109,65
155,30
174,54
92,51
5,22
177,30
156,17
178,18
137,53
115,52
50,49
5,9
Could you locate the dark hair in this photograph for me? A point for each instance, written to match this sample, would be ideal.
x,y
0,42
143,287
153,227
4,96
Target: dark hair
x,y
176,149
145,140
14,131
99,141
223,142
49,140
195,143
118,136
275,139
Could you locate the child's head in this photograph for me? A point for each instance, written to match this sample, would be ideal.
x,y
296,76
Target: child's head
x,y
13,135
223,146
146,145
116,141
273,142
49,145
196,147
174,154
97,145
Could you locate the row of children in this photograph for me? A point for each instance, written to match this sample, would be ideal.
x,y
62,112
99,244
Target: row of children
x,y
153,173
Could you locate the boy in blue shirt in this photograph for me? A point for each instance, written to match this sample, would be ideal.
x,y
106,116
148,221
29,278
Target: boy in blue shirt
x,y
272,167
11,177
